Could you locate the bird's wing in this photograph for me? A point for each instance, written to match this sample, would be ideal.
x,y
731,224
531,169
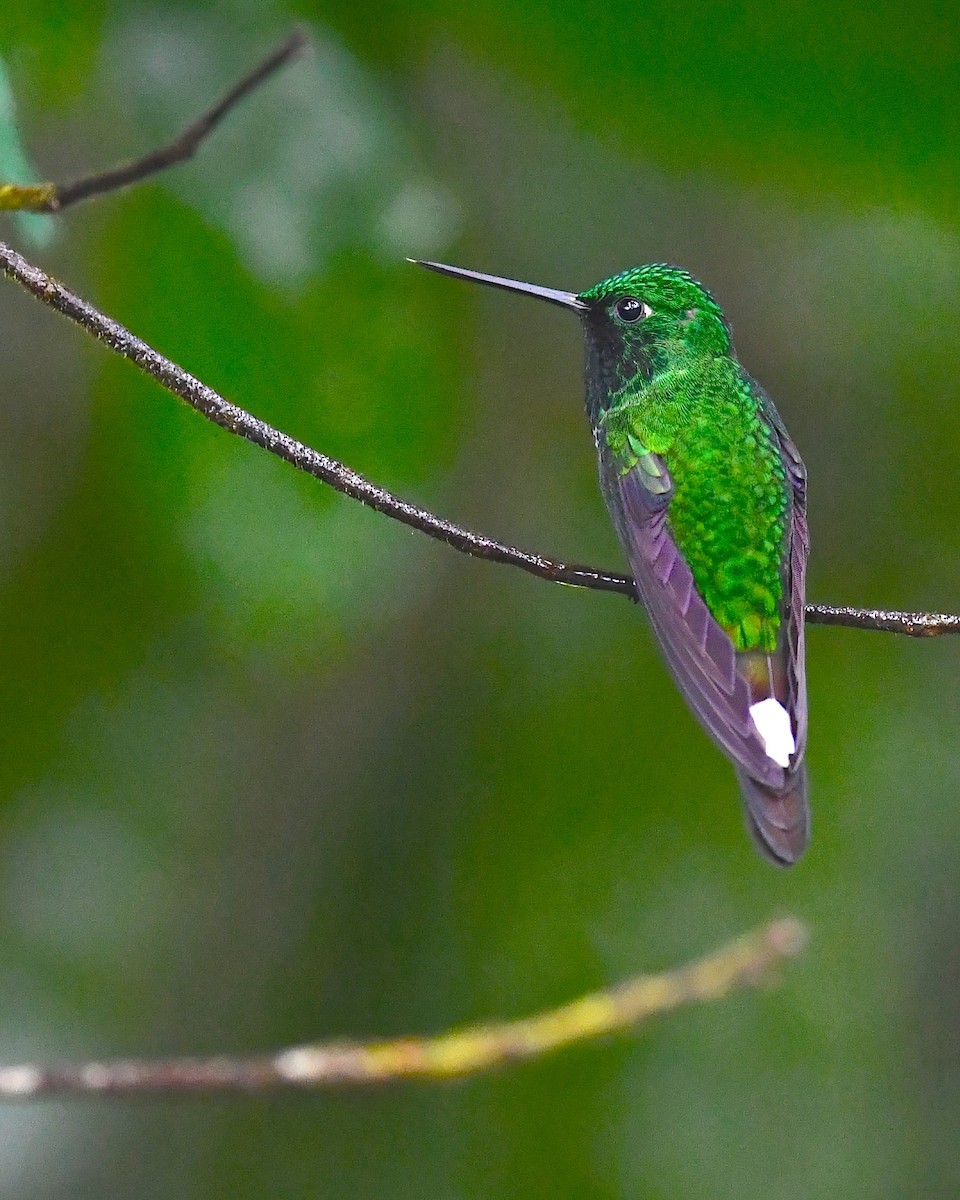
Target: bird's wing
x,y
701,657
780,820
795,570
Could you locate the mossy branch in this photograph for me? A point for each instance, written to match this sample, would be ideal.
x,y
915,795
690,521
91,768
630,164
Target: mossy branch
x,y
750,961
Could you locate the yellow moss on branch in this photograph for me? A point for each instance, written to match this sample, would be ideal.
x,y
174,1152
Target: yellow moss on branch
x,y
19,197
748,962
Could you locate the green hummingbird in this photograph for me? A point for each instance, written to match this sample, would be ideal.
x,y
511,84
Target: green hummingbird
x,y
708,496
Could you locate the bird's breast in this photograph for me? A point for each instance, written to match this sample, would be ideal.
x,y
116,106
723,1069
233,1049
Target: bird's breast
x,y
728,516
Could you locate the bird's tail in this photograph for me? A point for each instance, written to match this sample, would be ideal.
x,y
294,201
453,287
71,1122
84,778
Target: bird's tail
x,y
778,821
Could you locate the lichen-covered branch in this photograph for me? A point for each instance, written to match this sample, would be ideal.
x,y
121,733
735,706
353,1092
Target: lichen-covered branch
x,y
748,962
342,478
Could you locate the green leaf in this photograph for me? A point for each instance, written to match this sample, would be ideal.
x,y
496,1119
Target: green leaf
x,y
15,166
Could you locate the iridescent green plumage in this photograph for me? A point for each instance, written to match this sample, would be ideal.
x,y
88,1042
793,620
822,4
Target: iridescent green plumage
x,y
708,496
694,408
728,512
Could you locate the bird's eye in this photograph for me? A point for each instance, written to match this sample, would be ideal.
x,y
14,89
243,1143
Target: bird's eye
x,y
631,309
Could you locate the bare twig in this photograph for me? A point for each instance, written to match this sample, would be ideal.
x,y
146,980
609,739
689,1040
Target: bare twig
x,y
52,197
748,962
340,477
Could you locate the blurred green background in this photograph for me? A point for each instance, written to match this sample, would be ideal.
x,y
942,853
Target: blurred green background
x,y
275,768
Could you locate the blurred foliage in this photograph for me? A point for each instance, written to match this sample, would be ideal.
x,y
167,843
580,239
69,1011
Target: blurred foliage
x,y
15,165
276,769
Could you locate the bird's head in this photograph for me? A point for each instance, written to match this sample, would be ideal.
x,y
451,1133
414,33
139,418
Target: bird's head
x,y
636,322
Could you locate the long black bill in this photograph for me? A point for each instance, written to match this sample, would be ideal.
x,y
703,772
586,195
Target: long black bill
x,y
564,299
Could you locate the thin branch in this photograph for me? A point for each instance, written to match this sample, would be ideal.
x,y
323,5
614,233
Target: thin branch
x,y
748,962
913,624
52,197
343,479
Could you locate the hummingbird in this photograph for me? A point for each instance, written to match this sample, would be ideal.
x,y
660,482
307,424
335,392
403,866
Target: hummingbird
x,y
708,497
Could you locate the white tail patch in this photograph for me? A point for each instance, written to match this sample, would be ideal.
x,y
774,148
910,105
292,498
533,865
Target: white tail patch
x,y
773,724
